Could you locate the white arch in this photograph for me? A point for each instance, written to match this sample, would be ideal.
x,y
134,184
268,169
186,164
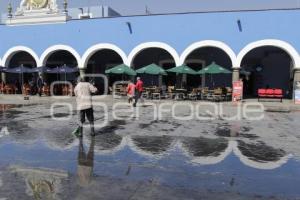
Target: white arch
x,y
148,45
208,43
288,48
12,51
50,50
92,50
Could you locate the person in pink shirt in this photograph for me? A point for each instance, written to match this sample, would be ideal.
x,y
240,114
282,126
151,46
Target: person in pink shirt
x,y
130,91
138,90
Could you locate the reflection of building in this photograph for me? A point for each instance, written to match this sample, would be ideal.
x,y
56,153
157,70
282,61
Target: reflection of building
x,y
248,40
42,183
151,145
206,151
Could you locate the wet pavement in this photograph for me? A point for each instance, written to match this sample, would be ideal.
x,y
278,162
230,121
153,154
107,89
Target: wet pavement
x,y
146,158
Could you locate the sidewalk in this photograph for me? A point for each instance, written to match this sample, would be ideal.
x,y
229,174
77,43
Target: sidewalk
x,y
270,106
287,105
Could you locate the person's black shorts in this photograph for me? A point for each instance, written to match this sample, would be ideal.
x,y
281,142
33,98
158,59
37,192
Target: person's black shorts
x,y
89,113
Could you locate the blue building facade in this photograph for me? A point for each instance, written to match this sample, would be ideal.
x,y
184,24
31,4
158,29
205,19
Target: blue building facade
x,y
235,34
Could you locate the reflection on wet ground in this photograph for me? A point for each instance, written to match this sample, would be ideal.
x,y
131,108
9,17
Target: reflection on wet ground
x,y
49,163
43,170
153,144
204,146
260,152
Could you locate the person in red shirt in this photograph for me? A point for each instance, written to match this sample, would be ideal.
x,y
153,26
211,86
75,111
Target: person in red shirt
x,y
130,91
138,90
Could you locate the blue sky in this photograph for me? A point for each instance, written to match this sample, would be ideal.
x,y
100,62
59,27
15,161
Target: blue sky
x,y
133,7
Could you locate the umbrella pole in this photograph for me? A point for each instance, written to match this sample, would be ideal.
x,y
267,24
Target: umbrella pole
x,y
181,84
152,80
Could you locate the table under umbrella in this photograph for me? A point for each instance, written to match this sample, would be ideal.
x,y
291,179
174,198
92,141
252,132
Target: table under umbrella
x,y
58,70
183,69
19,70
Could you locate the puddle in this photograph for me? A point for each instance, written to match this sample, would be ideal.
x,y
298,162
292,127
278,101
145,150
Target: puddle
x,y
50,163
186,166
111,127
5,107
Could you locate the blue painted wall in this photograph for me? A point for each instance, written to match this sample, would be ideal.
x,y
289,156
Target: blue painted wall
x,y
177,30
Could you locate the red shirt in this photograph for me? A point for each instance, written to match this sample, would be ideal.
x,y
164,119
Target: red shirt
x,y
139,86
130,89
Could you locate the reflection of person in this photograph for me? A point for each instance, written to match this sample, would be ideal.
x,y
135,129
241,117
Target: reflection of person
x,y
83,91
40,84
138,90
130,91
85,163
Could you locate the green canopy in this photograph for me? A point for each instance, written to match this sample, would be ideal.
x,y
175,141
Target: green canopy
x,y
183,69
121,69
213,68
152,69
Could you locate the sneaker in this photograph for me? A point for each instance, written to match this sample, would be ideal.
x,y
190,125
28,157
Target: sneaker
x,y
93,132
77,132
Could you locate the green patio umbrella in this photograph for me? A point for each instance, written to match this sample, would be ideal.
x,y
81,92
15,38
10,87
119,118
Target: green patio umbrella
x,y
183,69
213,68
151,69
121,69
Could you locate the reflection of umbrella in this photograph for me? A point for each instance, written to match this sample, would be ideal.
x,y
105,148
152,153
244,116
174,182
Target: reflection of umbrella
x,y
151,69
183,69
121,69
213,68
